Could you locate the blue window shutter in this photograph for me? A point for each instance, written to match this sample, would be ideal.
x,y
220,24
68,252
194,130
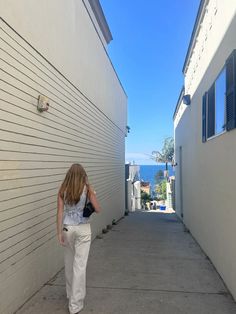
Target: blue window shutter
x,y
204,108
211,112
230,91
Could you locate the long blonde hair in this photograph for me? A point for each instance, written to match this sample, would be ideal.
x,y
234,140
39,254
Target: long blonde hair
x,y
72,187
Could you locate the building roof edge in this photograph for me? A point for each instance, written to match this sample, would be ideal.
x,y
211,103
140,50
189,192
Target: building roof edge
x,y
179,101
101,20
197,24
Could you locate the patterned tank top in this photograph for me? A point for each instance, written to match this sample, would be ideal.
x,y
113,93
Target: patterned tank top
x,y
73,214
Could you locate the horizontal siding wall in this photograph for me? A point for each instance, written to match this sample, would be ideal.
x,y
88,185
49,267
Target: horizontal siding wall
x,y
36,150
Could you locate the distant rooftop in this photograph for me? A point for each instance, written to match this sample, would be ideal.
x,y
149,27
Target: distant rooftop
x,y
100,17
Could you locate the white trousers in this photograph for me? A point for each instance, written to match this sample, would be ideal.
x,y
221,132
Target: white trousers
x,y
77,244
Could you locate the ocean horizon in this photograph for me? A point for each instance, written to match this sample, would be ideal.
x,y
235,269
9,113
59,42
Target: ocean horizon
x,y
148,172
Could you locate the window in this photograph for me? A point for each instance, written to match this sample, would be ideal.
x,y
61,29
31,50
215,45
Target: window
x,y
215,106
219,102
211,111
220,90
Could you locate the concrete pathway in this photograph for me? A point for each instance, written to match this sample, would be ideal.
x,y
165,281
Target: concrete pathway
x,y
146,264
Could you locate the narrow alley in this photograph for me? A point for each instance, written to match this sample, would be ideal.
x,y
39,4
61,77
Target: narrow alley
x,y
146,264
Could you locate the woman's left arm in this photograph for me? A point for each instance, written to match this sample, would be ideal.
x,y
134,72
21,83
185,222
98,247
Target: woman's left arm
x,y
94,200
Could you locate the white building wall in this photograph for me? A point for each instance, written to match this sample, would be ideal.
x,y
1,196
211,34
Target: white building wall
x,y
208,169
64,34
85,123
133,188
216,18
137,193
170,191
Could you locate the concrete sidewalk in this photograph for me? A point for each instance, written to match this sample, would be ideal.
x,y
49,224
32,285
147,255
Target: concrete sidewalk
x,y
146,264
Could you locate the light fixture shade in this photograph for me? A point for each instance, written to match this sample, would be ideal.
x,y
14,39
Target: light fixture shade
x,y
43,103
187,100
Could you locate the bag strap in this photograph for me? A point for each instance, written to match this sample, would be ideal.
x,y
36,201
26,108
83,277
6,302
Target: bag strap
x,y
86,197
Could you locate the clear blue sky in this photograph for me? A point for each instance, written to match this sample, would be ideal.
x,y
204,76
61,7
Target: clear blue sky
x,y
150,42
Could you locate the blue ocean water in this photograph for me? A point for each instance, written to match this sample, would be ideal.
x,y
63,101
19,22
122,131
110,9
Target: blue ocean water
x,y
148,172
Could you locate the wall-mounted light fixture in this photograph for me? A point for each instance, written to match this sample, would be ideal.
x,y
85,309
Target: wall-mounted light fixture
x,y
127,130
187,100
43,103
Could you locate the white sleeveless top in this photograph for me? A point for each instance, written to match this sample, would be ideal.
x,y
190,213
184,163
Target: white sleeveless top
x,y
73,214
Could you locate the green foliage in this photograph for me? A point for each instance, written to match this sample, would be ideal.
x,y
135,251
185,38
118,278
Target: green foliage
x,y
145,196
161,189
159,176
166,154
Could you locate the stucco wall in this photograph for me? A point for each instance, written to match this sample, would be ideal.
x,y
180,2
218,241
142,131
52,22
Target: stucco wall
x,y
85,123
209,168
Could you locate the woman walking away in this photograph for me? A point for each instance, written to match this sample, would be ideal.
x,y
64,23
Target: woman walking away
x,y
74,233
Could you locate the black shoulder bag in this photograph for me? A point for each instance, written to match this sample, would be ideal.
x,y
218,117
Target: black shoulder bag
x,y
88,208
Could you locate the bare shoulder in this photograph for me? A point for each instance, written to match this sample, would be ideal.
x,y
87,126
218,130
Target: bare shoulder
x,y
91,190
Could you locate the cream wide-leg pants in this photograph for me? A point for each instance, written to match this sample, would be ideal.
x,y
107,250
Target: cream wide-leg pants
x,y
77,244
